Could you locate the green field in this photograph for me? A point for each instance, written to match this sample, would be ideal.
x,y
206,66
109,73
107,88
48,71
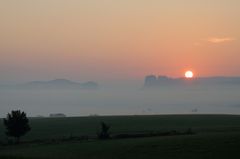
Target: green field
x,y
217,136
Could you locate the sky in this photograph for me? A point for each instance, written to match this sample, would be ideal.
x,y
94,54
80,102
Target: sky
x,y
117,40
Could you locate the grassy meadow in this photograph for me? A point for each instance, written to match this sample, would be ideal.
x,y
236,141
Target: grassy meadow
x,y
216,136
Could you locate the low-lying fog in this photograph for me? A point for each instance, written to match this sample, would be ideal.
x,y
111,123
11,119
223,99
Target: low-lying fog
x,y
123,99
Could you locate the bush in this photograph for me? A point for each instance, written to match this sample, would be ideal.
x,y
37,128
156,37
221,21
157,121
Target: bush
x,y
104,134
17,124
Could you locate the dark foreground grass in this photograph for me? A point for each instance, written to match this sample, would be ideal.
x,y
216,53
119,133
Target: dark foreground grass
x,y
50,128
217,136
202,146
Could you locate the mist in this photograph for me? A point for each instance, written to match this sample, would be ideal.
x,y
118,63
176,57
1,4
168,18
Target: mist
x,y
123,98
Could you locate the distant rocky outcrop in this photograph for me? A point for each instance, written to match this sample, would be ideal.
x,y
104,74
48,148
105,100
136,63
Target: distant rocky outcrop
x,y
152,81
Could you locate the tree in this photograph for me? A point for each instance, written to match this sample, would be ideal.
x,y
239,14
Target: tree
x,y
104,134
17,124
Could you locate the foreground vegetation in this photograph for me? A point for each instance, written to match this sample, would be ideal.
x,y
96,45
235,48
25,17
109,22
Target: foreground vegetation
x,y
216,136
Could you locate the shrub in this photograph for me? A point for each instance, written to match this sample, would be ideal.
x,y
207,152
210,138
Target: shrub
x,y
104,134
17,124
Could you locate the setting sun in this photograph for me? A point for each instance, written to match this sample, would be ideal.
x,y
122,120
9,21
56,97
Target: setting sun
x,y
189,74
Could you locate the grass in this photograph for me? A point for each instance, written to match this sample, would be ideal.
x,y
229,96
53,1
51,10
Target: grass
x,y
49,128
217,136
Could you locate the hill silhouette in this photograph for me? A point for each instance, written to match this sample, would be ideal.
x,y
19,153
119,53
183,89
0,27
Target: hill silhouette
x,y
55,84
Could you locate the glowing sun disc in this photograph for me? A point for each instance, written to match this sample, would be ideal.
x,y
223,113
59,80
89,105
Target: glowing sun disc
x,y
189,74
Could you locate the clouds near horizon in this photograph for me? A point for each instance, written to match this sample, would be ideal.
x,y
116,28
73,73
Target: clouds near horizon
x,y
218,40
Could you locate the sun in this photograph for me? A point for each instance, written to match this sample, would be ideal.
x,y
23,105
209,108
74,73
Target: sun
x,y
189,74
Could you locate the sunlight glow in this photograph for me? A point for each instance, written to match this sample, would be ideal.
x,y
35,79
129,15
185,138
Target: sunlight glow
x,y
189,74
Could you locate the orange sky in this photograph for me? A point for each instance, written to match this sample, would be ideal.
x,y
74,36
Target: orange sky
x,y
128,39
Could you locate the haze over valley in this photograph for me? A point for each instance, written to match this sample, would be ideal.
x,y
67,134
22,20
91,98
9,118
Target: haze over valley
x,y
169,96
